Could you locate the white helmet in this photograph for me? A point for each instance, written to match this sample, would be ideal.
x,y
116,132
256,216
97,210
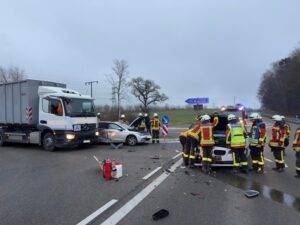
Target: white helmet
x,y
98,114
205,118
283,117
122,116
146,114
277,118
255,116
140,114
155,115
231,117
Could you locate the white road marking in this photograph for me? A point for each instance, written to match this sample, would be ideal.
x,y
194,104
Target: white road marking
x,y
151,173
98,212
124,210
176,156
269,160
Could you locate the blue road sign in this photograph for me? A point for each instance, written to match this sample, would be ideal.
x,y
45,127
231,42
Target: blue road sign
x,y
197,101
165,119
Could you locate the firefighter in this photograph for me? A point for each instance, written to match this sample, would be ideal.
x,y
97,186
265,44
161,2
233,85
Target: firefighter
x,y
191,147
236,140
277,143
123,120
155,127
287,130
206,142
216,119
296,147
147,123
257,142
182,138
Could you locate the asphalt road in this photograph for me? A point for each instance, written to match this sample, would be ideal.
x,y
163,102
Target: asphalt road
x,y
66,187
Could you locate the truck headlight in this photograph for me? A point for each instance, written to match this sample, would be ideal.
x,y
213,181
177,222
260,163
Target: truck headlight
x,y
70,136
97,133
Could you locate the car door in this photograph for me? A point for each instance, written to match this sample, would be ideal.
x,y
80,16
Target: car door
x,y
115,132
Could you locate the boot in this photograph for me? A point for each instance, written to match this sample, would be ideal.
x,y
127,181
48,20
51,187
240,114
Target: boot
x,y
260,170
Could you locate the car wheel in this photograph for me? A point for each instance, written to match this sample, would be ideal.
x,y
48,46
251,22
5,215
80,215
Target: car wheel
x,y
49,142
131,140
1,138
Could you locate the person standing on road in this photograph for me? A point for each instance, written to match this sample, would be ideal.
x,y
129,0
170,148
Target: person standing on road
x,y
155,127
287,131
182,139
236,140
123,120
296,147
147,123
206,142
277,143
257,142
191,147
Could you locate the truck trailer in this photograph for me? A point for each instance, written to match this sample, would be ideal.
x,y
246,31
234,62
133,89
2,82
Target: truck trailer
x,y
46,113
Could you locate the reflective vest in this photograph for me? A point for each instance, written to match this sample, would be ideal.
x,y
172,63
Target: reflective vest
x,y
155,124
142,125
206,135
296,142
235,136
258,134
277,136
184,133
287,129
194,133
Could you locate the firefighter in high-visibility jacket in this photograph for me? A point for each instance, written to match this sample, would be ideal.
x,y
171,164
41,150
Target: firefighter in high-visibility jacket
x,y
236,140
182,139
277,143
155,127
123,120
287,131
257,142
206,142
192,143
296,147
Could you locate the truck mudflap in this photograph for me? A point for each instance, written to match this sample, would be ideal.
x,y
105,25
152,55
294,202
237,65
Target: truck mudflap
x,y
70,138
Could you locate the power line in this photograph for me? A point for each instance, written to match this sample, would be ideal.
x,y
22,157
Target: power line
x,y
91,84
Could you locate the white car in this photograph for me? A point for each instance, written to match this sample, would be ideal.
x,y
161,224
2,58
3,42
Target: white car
x,y
120,133
222,155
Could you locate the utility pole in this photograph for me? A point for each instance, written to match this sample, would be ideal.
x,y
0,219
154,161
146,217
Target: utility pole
x,y
91,84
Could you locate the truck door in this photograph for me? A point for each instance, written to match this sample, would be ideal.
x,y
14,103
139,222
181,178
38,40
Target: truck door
x,y
52,113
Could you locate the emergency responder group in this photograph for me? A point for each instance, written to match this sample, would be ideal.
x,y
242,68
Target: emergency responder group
x,y
202,135
151,126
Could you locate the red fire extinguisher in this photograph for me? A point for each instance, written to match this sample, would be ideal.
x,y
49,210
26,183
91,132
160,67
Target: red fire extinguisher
x,y
107,168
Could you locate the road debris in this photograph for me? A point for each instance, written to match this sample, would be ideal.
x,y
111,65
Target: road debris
x,y
251,193
160,214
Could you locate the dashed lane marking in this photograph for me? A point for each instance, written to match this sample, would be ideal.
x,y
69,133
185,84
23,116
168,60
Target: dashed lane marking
x,y
98,212
131,204
151,173
176,156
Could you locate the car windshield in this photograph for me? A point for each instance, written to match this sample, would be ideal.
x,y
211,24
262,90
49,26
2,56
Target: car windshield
x,y
122,125
76,107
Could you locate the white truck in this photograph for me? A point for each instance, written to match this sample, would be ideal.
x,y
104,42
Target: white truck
x,y
46,113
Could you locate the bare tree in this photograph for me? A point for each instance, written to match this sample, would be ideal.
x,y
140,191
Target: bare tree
x,y
118,80
147,92
11,74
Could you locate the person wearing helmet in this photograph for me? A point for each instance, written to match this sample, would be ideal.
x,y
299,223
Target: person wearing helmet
x,y
296,147
236,140
155,127
207,142
142,124
147,123
123,119
277,143
257,141
287,131
191,147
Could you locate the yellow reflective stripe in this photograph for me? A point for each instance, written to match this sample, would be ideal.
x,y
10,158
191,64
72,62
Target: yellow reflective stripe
x,y
192,157
207,159
244,163
254,161
298,168
234,162
262,159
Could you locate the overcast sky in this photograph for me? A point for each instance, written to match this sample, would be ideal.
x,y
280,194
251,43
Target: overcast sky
x,y
191,48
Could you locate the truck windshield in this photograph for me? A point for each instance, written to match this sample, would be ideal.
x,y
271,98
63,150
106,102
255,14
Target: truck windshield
x,y
76,107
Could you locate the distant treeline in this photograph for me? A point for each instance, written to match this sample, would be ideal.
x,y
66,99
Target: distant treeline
x,y
280,86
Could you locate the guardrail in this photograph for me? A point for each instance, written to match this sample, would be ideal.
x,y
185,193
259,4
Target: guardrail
x,y
288,119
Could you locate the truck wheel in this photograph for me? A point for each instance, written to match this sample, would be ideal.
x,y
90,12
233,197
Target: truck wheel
x,y
131,140
49,142
1,138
